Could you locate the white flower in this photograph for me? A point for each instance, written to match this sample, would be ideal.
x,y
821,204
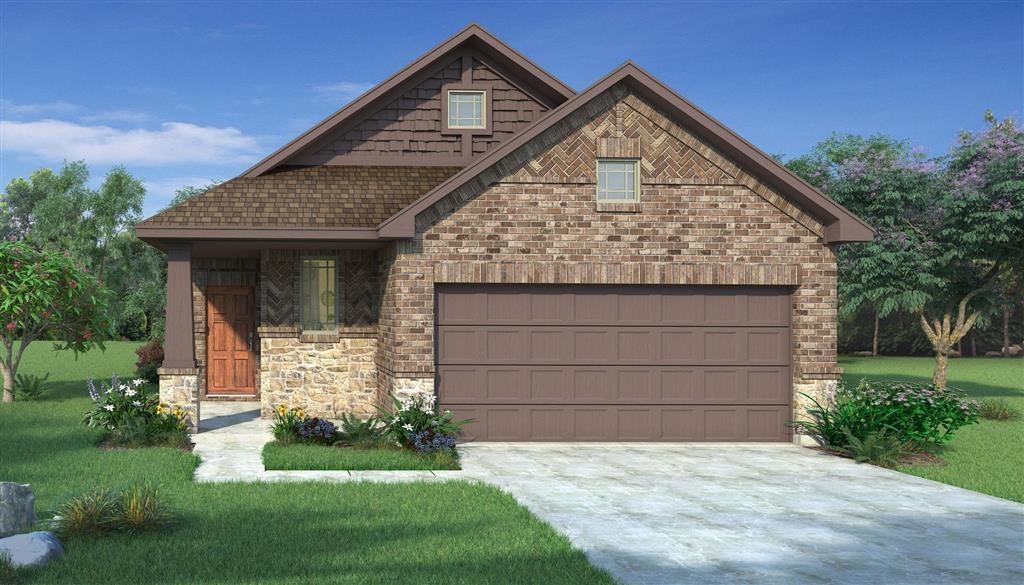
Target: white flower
x,y
395,420
407,426
109,407
136,382
136,403
447,412
129,393
122,387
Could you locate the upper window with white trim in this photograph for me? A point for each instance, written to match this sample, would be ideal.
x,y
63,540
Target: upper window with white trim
x,y
618,180
467,109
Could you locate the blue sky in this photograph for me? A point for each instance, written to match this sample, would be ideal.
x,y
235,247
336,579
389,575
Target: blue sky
x,y
186,92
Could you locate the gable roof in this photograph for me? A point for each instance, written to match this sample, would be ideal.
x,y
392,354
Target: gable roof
x,y
552,89
840,224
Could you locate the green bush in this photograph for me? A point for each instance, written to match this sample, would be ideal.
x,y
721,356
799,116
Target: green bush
x,y
996,409
136,509
416,415
131,415
91,513
907,413
30,386
358,432
141,510
877,448
285,427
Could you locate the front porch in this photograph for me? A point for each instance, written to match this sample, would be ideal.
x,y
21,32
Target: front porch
x,y
268,326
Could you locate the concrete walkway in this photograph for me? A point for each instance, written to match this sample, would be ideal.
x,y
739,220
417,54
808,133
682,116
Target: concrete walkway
x,y
707,513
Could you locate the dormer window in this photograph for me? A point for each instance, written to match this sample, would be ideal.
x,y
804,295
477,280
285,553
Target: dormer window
x,y
467,109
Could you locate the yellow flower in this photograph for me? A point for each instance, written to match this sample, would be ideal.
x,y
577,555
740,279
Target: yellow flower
x,y
281,409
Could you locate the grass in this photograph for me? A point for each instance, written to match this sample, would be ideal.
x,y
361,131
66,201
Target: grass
x,y
236,533
986,457
319,457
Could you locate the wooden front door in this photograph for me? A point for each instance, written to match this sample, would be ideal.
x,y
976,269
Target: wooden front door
x,y
230,340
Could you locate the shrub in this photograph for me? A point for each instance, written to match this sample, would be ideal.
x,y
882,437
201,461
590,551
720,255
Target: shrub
x,y
429,442
91,513
416,415
141,510
150,357
131,415
317,430
877,448
917,413
286,423
359,432
995,409
136,509
30,386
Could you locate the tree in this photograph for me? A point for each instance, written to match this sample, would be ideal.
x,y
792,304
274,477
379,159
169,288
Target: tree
x,y
46,294
971,237
881,180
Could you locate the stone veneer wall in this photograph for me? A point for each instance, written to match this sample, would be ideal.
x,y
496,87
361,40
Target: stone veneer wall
x,y
533,218
179,387
325,377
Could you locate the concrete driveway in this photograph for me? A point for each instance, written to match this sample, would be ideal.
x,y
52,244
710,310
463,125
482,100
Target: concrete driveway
x,y
741,513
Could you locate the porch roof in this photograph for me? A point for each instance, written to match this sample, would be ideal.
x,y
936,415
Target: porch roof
x,y
325,198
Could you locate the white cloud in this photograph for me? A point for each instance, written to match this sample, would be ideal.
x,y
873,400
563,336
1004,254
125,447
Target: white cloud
x,y
343,91
10,108
117,116
174,143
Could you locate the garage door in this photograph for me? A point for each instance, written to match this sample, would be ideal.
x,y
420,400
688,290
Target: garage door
x,y
602,363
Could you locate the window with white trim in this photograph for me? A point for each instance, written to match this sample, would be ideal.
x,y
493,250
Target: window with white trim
x,y
618,180
319,299
466,109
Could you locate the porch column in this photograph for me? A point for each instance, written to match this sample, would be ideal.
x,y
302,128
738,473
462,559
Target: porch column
x,y
179,377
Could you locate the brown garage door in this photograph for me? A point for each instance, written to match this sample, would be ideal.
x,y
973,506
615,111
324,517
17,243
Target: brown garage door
x,y
624,363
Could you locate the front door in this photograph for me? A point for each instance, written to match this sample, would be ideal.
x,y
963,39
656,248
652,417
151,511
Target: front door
x,y
230,339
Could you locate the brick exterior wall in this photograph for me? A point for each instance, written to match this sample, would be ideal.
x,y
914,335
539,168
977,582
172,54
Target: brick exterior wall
x,y
534,218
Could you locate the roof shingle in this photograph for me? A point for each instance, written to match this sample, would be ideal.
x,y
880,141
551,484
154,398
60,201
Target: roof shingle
x,y
325,196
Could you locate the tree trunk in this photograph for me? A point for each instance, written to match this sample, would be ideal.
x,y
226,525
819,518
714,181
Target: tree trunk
x,y
1006,330
8,383
944,334
939,375
874,338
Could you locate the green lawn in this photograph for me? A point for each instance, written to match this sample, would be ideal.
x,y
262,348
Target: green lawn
x,y
987,457
264,533
319,457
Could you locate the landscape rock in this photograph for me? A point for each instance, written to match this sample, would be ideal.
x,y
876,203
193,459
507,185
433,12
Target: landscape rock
x,y
993,354
953,353
17,508
862,354
31,550
1016,350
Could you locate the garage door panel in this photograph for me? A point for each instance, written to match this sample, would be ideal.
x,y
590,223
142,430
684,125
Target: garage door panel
x,y
633,423
622,363
479,384
529,345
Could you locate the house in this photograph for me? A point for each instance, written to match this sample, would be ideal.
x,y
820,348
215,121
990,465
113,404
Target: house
x,y
611,265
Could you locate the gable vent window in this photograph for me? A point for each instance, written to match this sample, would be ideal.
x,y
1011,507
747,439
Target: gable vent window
x,y
618,180
317,287
466,109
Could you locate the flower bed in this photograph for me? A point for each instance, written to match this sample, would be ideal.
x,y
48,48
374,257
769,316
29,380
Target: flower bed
x,y
884,422
131,415
413,436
